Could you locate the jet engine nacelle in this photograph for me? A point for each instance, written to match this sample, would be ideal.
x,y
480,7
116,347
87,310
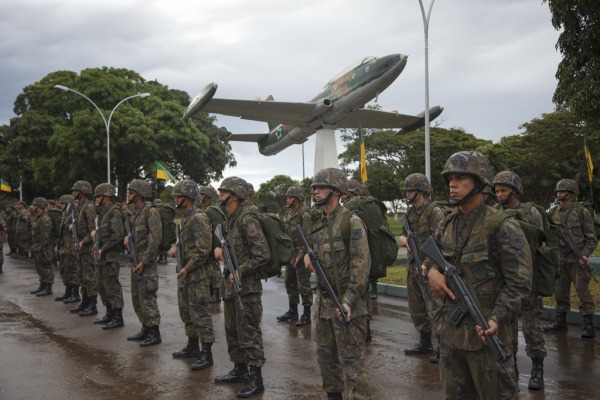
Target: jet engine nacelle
x,y
321,106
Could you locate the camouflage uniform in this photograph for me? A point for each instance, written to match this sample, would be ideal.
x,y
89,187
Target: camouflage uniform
x,y
41,231
68,265
85,221
22,232
112,232
217,216
10,219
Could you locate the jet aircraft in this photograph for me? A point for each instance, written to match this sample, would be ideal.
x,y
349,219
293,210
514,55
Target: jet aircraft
x,y
340,104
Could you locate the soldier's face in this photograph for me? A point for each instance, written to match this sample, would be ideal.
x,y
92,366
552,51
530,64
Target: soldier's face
x,y
290,200
411,195
460,185
321,192
502,192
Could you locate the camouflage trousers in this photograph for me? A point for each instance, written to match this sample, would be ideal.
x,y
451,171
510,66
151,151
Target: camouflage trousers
x,y
341,361
419,301
68,269
469,375
109,287
297,283
194,301
23,241
143,295
216,277
571,272
242,330
43,266
531,314
87,275
11,238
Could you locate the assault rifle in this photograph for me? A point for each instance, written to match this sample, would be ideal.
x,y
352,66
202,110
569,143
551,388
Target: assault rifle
x,y
414,249
324,282
96,242
570,247
75,235
132,248
179,263
466,302
228,261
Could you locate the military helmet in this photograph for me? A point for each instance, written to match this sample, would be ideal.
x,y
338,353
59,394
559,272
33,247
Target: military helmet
x,y
487,189
83,186
141,187
40,202
333,178
105,189
353,187
418,182
156,202
363,189
295,191
66,198
186,188
249,190
469,163
508,178
236,186
208,191
567,185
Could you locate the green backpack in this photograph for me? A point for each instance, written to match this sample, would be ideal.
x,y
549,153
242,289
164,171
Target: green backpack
x,y
167,217
588,206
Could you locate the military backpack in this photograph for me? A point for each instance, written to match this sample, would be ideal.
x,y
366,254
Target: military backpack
x,y
167,217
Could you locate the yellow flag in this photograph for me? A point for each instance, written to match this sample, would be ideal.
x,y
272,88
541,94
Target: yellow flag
x,y
588,158
163,173
363,157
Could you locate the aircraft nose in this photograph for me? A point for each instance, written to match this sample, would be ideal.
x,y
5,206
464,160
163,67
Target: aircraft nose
x,y
395,62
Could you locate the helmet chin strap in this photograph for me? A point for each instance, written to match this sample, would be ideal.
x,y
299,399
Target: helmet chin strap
x,y
179,206
505,202
225,200
412,200
321,203
133,198
477,189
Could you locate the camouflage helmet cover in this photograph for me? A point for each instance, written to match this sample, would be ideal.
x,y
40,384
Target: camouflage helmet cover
x,y
470,163
364,189
141,187
567,185
333,178
487,189
353,186
295,191
40,202
83,186
249,189
508,178
418,182
105,189
186,188
66,198
235,185
208,191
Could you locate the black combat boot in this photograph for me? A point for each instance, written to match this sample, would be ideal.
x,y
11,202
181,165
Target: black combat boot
x,y
205,360
141,335
74,295
290,315
334,396
45,291
39,289
84,303
153,337
423,347
239,373
106,318
254,385
305,318
536,382
214,296
91,307
373,290
587,330
191,349
559,324
117,319
435,356
66,295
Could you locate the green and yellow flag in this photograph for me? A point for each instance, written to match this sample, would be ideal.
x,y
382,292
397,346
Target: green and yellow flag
x,y
588,158
363,156
4,186
163,173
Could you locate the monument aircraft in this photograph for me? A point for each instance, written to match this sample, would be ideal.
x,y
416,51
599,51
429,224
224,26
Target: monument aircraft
x,y
340,104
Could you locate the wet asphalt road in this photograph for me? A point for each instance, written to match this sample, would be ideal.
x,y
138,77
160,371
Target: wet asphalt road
x,y
47,352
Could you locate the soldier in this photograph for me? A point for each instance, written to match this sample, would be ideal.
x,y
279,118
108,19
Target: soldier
x,y
65,250
488,196
216,215
10,219
579,225
22,231
84,225
41,230
146,228
346,265
56,217
250,251
110,243
423,219
508,187
194,296
297,277
468,368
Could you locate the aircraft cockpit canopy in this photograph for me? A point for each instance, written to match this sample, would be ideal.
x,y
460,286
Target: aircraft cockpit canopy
x,y
352,66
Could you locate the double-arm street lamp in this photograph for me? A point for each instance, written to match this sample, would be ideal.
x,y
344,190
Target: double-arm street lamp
x,y
426,17
106,123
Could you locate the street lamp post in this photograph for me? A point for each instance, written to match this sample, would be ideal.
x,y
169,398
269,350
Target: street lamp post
x,y
106,123
427,141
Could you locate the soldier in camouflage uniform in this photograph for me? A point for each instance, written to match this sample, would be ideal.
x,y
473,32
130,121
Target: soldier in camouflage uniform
x,y
579,225
497,267
146,228
41,230
297,277
345,262
22,231
508,187
85,225
488,196
65,250
216,215
250,251
56,217
423,219
196,240
110,246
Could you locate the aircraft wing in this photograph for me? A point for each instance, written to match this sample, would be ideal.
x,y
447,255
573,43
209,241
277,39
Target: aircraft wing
x,y
377,119
279,112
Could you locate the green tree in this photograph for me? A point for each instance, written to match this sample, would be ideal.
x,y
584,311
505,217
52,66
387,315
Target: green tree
x,y
272,192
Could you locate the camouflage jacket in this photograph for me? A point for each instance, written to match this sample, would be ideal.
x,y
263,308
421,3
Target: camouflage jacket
x,y
66,239
112,232
41,231
290,220
423,222
196,243
496,265
346,265
21,221
86,216
146,228
579,224
216,216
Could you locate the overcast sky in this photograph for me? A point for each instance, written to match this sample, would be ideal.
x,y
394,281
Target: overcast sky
x,y
491,63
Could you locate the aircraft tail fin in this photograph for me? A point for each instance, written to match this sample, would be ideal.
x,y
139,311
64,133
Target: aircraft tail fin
x,y
434,112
